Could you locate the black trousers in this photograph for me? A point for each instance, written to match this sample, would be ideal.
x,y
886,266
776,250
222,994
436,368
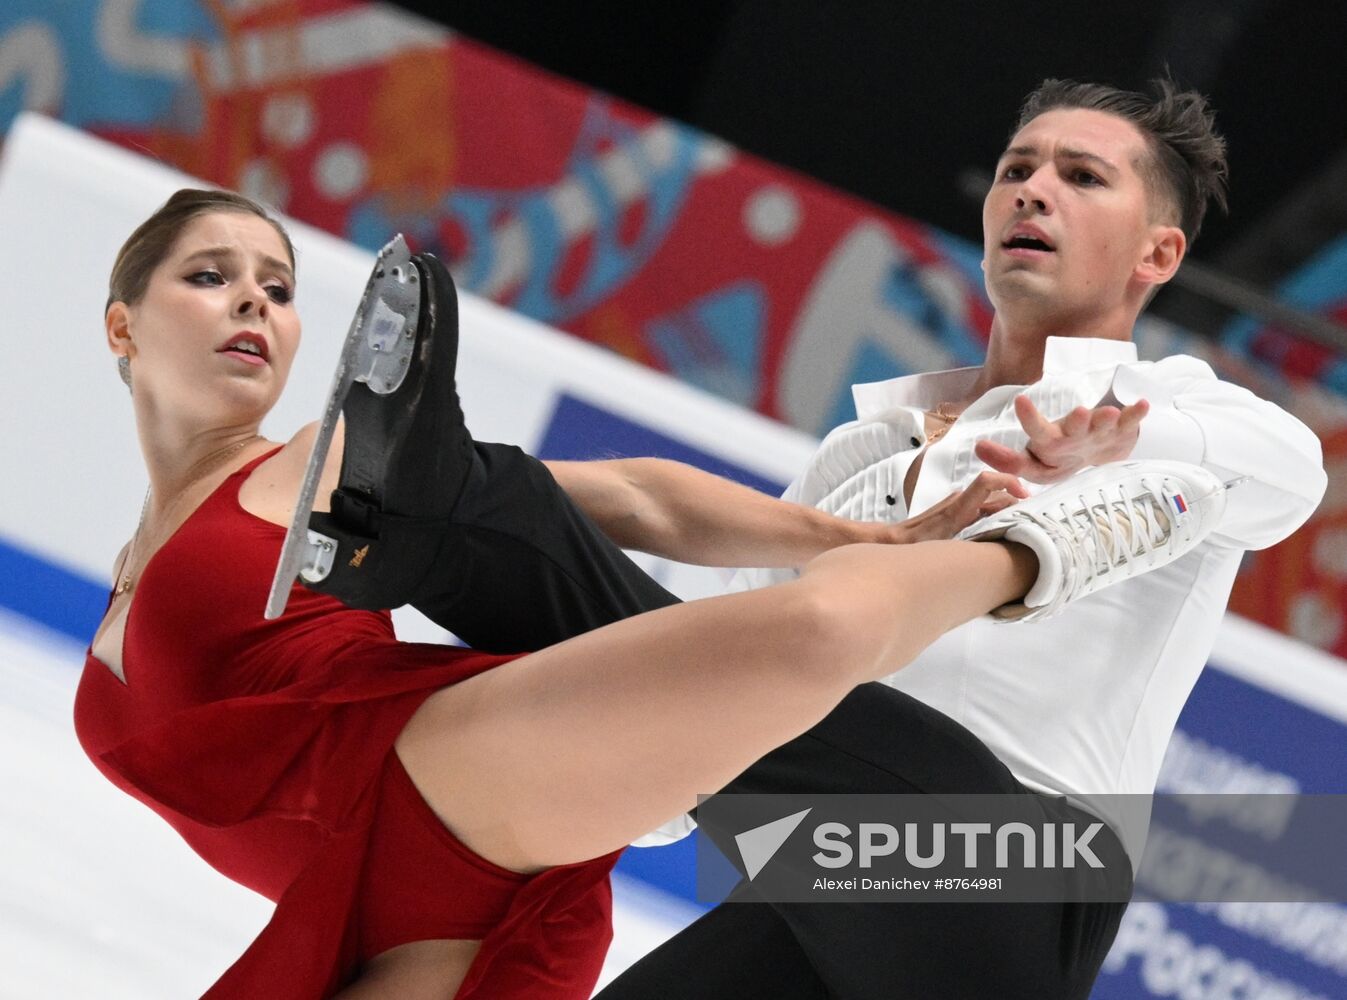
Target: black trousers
x,y
525,569
880,740
521,568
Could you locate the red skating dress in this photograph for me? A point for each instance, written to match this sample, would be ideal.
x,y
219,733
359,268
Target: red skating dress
x,y
268,747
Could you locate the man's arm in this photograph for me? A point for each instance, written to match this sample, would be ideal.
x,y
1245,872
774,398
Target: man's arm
x,y
1235,434
1187,414
680,512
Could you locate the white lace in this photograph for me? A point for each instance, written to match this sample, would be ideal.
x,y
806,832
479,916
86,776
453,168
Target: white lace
x,y
1100,537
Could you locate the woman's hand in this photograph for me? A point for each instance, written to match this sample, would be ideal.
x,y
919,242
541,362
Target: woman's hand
x,y
987,494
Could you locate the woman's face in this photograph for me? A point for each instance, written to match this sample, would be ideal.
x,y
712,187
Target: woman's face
x,y
216,331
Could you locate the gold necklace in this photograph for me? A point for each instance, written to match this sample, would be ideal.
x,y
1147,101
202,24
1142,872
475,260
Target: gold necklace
x,y
947,418
211,462
124,582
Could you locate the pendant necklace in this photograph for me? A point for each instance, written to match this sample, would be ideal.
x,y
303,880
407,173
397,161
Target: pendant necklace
x,y
127,582
946,418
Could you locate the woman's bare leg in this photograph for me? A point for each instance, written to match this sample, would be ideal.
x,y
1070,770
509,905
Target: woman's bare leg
x,y
572,752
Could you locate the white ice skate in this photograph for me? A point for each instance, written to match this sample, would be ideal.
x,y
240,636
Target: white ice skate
x,y
1103,526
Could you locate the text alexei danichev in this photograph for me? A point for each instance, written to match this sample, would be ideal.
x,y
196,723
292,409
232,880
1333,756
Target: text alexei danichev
x,y
904,884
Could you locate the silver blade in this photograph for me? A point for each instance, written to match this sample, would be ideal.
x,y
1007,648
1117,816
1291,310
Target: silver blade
x,y
377,351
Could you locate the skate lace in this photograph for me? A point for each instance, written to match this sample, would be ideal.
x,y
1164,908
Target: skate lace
x,y
1107,532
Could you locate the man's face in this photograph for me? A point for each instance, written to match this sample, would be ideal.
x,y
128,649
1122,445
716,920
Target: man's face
x,y
1068,219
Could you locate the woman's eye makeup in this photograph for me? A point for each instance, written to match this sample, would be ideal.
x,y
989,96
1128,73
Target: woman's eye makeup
x,y
279,292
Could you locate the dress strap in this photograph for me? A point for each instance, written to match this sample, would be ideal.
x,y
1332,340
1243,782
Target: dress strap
x,y
254,463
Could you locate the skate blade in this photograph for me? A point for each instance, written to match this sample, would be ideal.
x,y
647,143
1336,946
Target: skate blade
x,y
378,351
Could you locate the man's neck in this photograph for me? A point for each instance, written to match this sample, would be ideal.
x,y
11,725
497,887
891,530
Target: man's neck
x,y
1015,352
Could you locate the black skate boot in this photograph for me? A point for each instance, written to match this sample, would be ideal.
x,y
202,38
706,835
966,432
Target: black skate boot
x,y
407,452
476,536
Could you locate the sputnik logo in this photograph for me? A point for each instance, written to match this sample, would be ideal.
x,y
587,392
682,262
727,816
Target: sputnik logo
x,y
760,844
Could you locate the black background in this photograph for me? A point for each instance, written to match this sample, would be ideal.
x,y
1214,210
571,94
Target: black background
x,y
909,104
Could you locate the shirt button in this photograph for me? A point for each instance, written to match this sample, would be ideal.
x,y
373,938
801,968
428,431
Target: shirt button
x,y
916,442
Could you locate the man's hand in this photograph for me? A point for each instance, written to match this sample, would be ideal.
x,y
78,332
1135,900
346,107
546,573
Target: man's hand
x,y
1058,449
987,494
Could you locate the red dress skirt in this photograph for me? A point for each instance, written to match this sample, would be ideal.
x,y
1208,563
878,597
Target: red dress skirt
x,y
268,746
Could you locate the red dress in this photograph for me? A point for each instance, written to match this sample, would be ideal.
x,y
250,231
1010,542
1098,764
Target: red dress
x,y
268,747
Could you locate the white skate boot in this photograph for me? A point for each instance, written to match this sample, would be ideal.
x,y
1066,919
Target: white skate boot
x,y
1103,526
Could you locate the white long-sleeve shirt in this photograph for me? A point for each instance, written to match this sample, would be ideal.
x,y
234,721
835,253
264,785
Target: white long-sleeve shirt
x,y
1082,704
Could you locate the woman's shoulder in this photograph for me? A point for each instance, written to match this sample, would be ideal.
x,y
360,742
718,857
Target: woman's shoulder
x,y
271,489
294,454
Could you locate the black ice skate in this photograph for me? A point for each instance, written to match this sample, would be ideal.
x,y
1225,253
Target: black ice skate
x,y
407,452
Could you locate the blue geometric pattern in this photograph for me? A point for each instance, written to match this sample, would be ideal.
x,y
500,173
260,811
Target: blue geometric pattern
x,y
871,362
715,342
99,89
611,263
1318,286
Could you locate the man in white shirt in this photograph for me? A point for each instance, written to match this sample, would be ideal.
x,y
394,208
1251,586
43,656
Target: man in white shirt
x,y
1094,204
1095,201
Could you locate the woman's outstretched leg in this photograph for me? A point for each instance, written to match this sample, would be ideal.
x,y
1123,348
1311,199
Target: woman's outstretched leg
x,y
572,752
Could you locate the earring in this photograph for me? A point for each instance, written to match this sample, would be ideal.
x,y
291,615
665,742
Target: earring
x,y
124,370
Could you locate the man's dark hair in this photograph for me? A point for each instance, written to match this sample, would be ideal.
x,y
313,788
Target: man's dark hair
x,y
1187,163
